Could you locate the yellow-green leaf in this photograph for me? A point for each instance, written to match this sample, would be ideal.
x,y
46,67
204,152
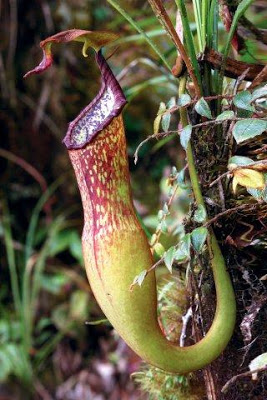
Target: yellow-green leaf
x,y
248,178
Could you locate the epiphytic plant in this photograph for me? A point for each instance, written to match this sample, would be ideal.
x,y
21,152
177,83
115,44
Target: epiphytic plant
x,y
115,247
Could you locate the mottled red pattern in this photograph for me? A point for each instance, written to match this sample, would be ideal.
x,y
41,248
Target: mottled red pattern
x,y
102,172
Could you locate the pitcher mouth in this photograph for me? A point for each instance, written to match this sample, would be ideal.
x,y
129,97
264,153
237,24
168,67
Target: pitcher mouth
x,y
108,104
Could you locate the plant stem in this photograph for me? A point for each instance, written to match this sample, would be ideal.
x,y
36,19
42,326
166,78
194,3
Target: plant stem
x,y
128,18
189,152
212,39
189,40
240,11
226,305
204,18
196,9
11,258
164,19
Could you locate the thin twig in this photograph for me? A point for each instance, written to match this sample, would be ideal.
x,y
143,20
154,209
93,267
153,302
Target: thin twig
x,y
219,178
192,102
159,262
200,125
248,207
233,68
164,19
221,194
225,388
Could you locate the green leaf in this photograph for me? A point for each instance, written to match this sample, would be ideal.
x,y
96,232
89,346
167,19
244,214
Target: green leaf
x,y
159,249
153,239
243,100
203,108
169,258
199,236
225,115
256,193
258,362
174,171
240,160
183,251
183,100
6,367
200,214
181,177
165,209
13,360
185,136
160,215
163,226
248,129
261,92
259,194
166,118
161,110
139,278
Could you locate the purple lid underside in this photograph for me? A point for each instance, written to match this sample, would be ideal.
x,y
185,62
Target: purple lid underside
x,y
108,104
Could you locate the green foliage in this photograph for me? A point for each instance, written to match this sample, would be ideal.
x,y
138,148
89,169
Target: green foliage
x,y
166,118
185,136
15,345
169,258
259,194
182,253
243,100
202,108
225,115
239,161
14,361
260,92
183,100
200,214
248,129
199,236
258,362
